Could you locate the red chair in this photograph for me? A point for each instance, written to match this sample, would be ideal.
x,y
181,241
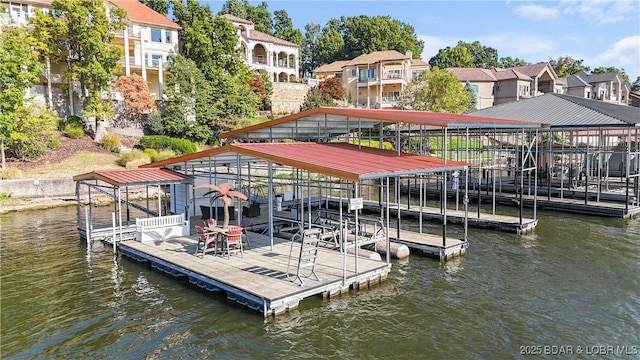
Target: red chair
x,y
233,241
209,223
207,242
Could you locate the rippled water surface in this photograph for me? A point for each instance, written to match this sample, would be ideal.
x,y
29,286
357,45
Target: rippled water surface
x,y
574,282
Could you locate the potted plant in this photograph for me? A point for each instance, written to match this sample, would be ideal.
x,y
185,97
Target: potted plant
x,y
225,193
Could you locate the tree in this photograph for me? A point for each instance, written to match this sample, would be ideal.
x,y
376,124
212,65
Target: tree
x,y
160,6
309,58
259,15
566,66
19,70
473,95
33,132
315,98
263,88
330,43
137,99
469,55
225,193
186,112
332,87
635,86
508,62
283,28
612,69
436,90
87,30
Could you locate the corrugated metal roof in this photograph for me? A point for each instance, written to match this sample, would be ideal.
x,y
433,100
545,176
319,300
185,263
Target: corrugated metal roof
x,y
139,176
349,162
326,122
566,111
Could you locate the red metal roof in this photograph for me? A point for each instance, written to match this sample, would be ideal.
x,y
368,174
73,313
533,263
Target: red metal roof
x,y
349,162
139,176
136,11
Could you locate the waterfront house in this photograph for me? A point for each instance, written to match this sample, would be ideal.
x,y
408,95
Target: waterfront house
x,y
607,87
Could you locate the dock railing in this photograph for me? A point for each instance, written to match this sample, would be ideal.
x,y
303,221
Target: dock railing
x,y
162,227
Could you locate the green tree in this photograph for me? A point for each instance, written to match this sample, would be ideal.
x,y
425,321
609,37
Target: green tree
x,y
259,15
309,50
330,43
472,55
160,6
612,69
436,90
185,113
283,28
635,86
34,130
87,30
19,70
565,66
509,62
365,34
473,96
315,98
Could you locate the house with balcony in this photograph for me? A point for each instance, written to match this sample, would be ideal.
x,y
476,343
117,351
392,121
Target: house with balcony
x,y
148,41
502,85
607,87
374,80
263,51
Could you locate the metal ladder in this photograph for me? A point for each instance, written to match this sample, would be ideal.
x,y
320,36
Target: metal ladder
x,y
309,244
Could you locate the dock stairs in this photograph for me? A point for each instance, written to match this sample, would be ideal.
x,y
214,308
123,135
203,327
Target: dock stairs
x,y
309,245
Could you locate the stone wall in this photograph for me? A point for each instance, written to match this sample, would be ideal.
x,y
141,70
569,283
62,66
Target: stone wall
x,y
38,188
287,97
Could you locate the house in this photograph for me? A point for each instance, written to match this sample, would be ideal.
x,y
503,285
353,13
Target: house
x,y
634,98
608,87
374,80
263,51
498,86
148,41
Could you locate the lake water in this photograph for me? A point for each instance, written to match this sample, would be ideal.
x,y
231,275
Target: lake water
x,y
572,287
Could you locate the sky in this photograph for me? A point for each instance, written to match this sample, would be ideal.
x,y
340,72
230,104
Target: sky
x,y
601,33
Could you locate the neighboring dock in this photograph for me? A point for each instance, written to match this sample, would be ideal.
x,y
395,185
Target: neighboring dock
x,y
261,279
430,245
486,221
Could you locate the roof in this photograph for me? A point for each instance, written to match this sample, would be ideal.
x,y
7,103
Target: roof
x,y
533,70
236,19
419,62
510,74
323,123
472,74
256,35
566,111
344,161
139,12
333,67
378,56
139,176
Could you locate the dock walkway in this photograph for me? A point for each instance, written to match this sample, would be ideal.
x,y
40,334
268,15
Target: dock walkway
x,y
261,279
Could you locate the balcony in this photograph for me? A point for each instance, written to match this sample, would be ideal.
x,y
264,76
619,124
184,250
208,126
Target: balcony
x,y
130,32
259,60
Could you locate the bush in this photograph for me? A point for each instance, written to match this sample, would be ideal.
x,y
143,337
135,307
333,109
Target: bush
x,y
10,173
133,158
111,142
152,153
75,120
162,142
73,131
165,154
53,144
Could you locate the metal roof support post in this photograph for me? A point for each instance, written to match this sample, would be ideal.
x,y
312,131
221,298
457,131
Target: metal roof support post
x,y
119,215
308,200
550,157
600,160
270,206
535,180
397,200
587,170
159,201
421,203
357,225
444,193
493,175
628,169
238,182
465,201
78,203
387,223
520,186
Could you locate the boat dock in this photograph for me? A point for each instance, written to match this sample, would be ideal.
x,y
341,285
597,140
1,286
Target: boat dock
x,y
484,220
429,244
262,279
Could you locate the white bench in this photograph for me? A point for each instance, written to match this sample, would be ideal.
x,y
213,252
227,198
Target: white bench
x,y
160,228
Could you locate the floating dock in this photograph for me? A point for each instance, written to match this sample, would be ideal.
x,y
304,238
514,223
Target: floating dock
x,y
485,221
430,245
262,279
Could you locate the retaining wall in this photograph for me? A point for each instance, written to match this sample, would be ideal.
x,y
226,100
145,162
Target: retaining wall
x,y
36,188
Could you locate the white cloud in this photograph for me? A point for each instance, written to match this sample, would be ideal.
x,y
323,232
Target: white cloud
x,y
601,12
537,12
625,53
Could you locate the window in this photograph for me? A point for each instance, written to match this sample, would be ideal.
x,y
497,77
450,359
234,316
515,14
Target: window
x,y
353,72
393,95
394,74
366,74
339,75
155,59
167,36
156,35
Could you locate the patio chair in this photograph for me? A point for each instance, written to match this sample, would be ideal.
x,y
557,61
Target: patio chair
x,y
207,242
209,223
233,242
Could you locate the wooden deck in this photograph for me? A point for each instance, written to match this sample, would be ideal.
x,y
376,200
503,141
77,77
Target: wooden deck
x,y
429,244
262,279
